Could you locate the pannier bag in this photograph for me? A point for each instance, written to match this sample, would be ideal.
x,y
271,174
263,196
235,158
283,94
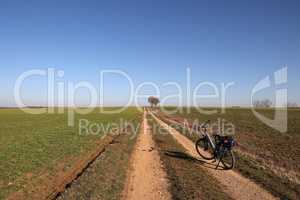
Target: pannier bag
x,y
226,141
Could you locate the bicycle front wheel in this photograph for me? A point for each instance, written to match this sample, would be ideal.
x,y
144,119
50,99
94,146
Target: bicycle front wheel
x,y
228,159
204,148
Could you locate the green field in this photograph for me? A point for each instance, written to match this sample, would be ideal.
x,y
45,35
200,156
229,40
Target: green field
x,y
31,145
264,155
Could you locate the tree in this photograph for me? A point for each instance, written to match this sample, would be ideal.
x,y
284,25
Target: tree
x,y
153,101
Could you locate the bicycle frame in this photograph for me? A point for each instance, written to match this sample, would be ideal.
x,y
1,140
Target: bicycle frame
x,y
210,141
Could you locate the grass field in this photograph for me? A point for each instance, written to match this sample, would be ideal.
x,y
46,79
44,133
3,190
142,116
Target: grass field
x,y
31,145
264,155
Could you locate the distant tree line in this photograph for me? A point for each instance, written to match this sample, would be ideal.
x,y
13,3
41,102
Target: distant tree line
x,y
266,103
292,105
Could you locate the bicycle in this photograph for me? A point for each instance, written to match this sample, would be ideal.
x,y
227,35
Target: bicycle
x,y
219,149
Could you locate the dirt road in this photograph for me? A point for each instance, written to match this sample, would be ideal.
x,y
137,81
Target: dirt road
x,y
237,186
147,180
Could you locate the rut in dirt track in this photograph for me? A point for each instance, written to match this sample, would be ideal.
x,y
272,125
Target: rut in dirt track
x,y
147,179
235,185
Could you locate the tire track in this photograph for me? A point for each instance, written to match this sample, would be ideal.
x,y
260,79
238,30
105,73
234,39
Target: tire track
x,y
147,179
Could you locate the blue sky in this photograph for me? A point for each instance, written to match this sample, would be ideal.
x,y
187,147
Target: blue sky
x,y
220,41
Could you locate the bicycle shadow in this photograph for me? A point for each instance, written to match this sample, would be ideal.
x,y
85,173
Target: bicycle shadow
x,y
187,157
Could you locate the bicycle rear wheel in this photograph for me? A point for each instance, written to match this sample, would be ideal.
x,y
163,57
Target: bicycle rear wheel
x,y
204,148
228,159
